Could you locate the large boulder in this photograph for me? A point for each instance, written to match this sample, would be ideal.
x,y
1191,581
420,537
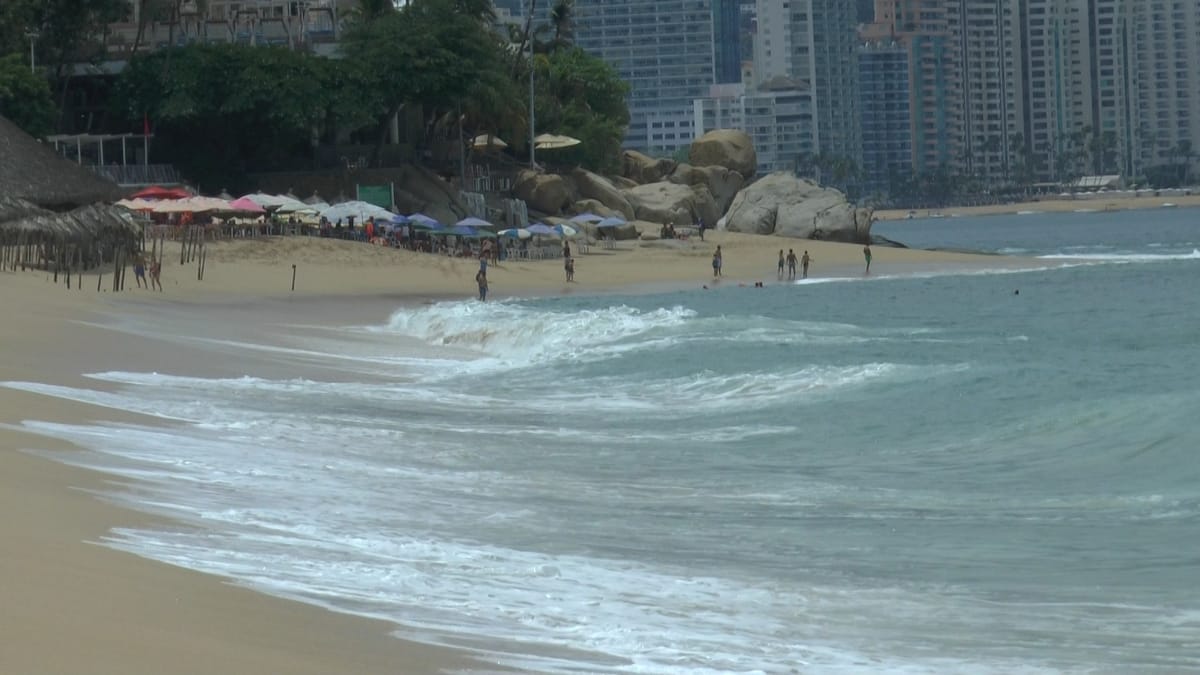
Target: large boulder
x,y
643,169
673,203
545,192
721,182
600,189
783,204
593,206
725,147
418,189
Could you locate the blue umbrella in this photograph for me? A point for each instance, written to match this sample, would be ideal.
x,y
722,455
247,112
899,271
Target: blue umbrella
x,y
588,217
400,220
422,220
541,228
611,222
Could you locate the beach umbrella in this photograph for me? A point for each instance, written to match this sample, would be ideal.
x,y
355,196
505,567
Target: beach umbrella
x,y
225,195
487,141
423,221
297,206
516,233
472,221
566,230
359,210
314,199
554,142
400,220
138,204
160,192
588,217
610,222
541,228
244,205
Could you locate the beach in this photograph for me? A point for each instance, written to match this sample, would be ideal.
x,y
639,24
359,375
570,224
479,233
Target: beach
x,y
119,613
1082,202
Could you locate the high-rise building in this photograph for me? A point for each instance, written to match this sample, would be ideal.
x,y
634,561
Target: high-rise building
x,y
991,48
1165,65
814,43
727,40
665,50
886,114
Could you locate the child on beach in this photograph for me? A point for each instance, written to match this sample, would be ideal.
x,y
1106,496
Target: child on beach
x,y
570,265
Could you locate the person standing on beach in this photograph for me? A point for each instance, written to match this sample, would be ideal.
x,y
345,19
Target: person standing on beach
x,y
867,257
570,265
481,279
779,270
791,261
156,274
717,262
804,260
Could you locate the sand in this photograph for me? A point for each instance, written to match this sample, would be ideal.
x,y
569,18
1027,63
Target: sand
x,y
76,606
1081,203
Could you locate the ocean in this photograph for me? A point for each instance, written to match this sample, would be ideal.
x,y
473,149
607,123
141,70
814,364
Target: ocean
x,y
974,471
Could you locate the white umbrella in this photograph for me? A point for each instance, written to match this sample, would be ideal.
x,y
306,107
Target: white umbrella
x,y
566,230
359,210
516,232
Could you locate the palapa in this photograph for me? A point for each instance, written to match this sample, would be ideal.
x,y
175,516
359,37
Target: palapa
x,y
32,171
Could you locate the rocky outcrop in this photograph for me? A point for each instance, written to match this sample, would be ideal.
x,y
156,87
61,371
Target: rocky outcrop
x,y
643,169
591,186
788,206
725,147
623,183
593,206
721,182
673,203
545,192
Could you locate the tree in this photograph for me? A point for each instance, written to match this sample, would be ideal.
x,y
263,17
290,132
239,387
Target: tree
x,y
25,97
427,53
583,97
218,113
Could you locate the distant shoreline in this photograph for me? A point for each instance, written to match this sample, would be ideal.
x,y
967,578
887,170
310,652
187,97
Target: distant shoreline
x,y
1083,203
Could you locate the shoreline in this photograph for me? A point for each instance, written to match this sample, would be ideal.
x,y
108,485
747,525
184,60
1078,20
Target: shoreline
x,y
132,614
1082,203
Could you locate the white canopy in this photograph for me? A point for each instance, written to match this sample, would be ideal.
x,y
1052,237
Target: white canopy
x,y
358,209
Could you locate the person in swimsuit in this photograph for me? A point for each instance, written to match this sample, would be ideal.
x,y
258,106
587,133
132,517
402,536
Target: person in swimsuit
x,y
867,257
804,260
481,279
779,272
717,262
791,261
155,274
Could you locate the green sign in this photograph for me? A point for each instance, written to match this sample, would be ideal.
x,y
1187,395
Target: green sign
x,y
379,195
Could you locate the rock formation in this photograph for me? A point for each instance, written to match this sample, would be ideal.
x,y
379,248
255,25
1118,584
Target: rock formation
x,y
591,186
642,169
545,192
673,203
725,147
783,204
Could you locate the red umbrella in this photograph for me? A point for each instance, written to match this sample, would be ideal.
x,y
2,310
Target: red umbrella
x,y
159,192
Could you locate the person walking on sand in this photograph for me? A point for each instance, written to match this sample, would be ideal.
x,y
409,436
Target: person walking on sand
x,y
156,274
570,265
791,261
779,270
481,279
139,272
804,260
867,257
717,262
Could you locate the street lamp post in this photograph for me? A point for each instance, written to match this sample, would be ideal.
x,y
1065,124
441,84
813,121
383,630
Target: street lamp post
x,y
33,35
532,163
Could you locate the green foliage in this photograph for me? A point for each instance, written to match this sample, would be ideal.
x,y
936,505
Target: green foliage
x,y
25,97
63,27
218,110
581,96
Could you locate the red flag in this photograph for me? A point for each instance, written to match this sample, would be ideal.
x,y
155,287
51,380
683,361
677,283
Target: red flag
x,y
146,124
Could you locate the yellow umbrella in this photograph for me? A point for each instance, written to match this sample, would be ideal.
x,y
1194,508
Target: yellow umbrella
x,y
487,141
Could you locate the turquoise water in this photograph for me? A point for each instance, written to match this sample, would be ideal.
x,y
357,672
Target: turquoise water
x,y
901,474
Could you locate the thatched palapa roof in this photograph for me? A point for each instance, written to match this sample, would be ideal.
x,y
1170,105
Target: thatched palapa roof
x,y
94,222
33,172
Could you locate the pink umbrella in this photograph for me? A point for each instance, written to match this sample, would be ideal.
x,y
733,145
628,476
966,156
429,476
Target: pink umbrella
x,y
245,205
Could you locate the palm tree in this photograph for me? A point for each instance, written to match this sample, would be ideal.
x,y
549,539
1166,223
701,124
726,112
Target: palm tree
x,y
562,17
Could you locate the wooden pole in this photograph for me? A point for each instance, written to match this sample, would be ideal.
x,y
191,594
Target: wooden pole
x,y
293,277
